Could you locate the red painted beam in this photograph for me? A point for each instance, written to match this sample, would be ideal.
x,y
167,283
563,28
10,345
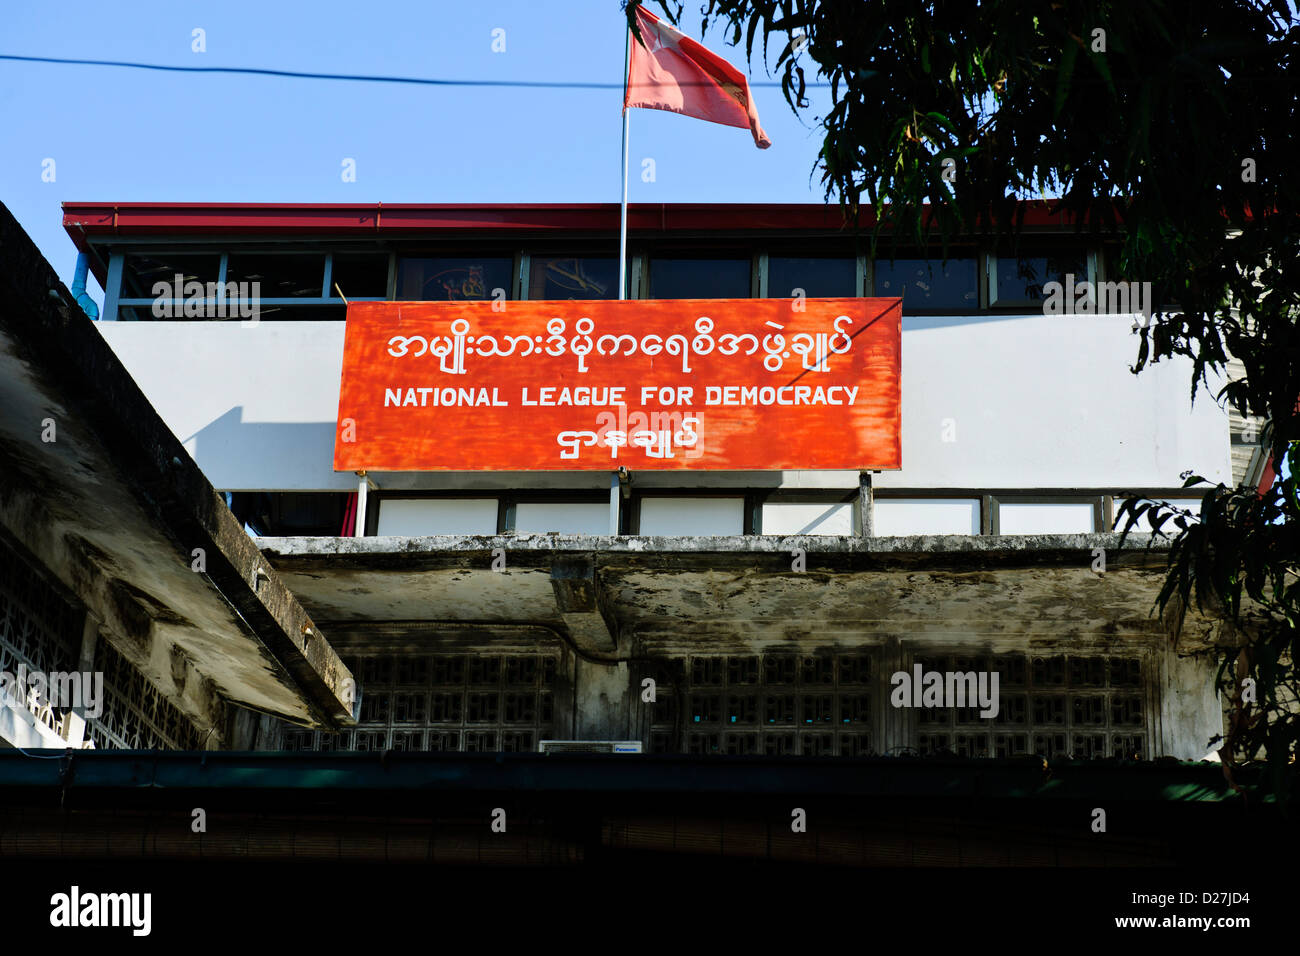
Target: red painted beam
x,y
349,219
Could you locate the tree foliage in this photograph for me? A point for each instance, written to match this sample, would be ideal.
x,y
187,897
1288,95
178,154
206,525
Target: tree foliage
x,y
1177,119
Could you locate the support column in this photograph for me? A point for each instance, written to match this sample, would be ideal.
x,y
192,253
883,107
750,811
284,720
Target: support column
x,y
604,694
866,506
580,603
364,484
613,502
74,721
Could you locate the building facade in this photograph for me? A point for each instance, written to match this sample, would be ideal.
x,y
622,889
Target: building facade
x,y
696,612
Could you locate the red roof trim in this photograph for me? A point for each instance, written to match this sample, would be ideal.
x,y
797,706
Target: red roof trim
x,y
349,219
88,222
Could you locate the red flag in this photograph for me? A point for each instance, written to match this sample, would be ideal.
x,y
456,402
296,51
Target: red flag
x,y
670,71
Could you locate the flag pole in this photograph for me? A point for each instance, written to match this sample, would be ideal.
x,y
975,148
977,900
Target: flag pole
x,y
622,219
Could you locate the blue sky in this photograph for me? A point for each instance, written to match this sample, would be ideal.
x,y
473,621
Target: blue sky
x,y
133,135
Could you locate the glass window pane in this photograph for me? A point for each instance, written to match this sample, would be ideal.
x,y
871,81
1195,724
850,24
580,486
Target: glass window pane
x,y
282,276
573,277
142,270
454,279
929,285
360,274
699,278
1021,278
1157,296
818,278
290,513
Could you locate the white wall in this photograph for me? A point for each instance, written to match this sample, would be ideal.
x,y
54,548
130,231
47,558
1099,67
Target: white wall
x,y
1188,504
686,516
255,405
895,517
801,518
1043,518
1047,402
540,517
1028,401
420,516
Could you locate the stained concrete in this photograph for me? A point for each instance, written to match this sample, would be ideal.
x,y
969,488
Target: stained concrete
x,y
673,593
667,597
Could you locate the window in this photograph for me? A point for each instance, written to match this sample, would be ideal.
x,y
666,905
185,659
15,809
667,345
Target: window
x,y
288,514
140,271
1083,708
1149,295
1019,280
360,275
778,703
817,278
484,702
929,286
699,278
573,277
455,279
279,275
135,715
40,628
244,283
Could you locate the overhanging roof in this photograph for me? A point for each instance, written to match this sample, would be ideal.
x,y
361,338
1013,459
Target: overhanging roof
x,y
675,594
88,223
112,505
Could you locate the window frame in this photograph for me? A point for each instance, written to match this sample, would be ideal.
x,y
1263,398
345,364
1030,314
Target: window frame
x,y
115,301
907,253
1033,306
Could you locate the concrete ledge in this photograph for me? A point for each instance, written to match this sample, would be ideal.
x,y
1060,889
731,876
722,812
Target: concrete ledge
x,y
951,551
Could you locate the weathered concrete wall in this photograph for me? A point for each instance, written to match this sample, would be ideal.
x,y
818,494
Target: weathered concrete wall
x,y
667,598
680,591
1190,710
605,696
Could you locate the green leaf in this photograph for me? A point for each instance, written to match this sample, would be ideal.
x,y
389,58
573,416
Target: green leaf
x,y
1063,76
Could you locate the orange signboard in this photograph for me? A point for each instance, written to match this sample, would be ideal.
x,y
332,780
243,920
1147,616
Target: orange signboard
x,y
649,385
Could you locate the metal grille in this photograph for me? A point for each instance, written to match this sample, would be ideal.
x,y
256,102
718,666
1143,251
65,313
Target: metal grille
x,y
40,630
461,702
1056,706
815,705
135,715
